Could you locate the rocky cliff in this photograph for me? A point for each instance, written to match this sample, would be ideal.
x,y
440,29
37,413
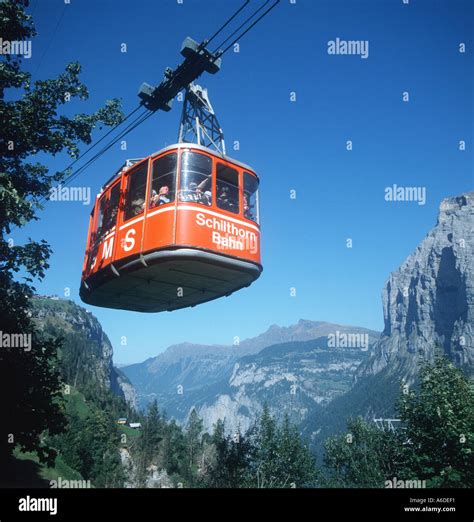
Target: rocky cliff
x,y
428,303
86,353
192,366
295,378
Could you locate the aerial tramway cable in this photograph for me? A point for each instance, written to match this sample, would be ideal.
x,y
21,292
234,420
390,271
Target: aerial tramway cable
x,y
250,27
241,25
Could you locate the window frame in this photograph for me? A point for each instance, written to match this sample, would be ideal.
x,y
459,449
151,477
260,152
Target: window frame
x,y
180,177
126,181
99,217
175,173
92,227
236,169
257,196
115,186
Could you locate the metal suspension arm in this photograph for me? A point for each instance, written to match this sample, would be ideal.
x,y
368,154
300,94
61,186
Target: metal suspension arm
x,y
199,122
197,60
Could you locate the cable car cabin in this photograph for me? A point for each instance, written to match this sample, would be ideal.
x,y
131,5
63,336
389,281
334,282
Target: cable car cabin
x,y
173,230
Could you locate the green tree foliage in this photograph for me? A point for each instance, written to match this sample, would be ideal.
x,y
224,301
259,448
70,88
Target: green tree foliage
x,y
162,444
295,458
228,460
153,426
439,418
364,457
173,453
106,467
269,456
31,123
279,458
149,442
434,442
90,446
193,437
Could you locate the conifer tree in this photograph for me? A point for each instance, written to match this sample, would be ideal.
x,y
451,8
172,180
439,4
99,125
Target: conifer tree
x,y
32,121
439,421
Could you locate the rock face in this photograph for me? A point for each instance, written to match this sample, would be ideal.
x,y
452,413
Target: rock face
x,y
429,301
180,369
154,477
86,354
294,378
294,369
191,366
123,387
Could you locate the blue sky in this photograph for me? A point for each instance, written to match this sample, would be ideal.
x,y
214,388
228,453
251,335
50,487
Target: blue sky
x,y
298,145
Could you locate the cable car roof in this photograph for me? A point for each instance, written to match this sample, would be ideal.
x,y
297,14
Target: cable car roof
x,y
183,145
186,145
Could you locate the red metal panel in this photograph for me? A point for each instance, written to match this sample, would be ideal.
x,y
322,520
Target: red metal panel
x,y
219,231
130,231
160,220
101,250
214,229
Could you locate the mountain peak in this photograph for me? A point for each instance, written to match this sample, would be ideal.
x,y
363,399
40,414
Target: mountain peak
x,y
273,327
456,207
308,322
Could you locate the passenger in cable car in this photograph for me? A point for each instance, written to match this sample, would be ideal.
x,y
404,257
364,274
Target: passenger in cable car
x,y
160,198
163,195
189,193
195,193
137,203
154,199
111,218
228,201
250,197
203,197
248,209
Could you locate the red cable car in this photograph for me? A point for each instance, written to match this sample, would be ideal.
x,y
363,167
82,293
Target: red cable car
x,y
180,227
175,229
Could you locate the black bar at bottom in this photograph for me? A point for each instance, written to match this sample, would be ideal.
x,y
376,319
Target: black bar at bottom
x,y
238,505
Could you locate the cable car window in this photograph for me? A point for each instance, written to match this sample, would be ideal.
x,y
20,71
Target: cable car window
x,y
227,188
110,214
250,197
196,178
100,218
92,236
163,181
136,191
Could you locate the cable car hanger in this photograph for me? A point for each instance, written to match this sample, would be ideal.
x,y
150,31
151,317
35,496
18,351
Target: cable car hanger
x,y
145,115
179,227
199,122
